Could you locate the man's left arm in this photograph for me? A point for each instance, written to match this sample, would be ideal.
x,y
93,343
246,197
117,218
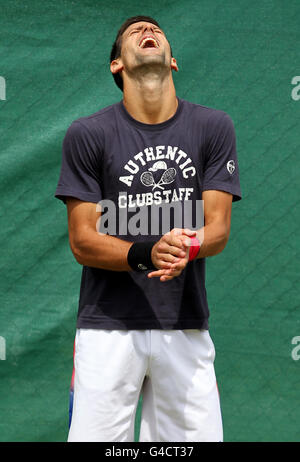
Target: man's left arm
x,y
221,187
213,236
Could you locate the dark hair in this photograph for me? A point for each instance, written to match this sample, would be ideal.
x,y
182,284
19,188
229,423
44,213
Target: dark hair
x,y
116,48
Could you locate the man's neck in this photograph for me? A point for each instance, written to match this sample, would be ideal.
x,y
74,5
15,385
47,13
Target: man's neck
x,y
150,102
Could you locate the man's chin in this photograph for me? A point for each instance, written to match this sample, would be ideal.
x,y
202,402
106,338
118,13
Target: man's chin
x,y
151,58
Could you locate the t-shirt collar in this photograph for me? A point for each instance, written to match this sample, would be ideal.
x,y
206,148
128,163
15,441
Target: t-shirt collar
x,y
151,127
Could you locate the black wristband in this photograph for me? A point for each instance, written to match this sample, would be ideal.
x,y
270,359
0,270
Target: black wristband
x,y
139,256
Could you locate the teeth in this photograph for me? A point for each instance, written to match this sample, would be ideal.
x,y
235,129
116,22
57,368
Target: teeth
x,y
148,39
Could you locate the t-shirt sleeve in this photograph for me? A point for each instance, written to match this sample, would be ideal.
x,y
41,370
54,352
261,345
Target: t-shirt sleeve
x,y
221,170
80,167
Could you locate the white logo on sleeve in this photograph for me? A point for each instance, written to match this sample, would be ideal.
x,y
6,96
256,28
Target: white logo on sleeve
x,y
231,166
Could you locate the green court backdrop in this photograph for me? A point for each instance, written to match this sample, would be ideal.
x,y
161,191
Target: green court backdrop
x,y
239,56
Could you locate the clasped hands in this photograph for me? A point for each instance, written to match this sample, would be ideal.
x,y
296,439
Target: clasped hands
x,y
171,253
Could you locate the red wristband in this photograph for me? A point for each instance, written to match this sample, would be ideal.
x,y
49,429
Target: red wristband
x,y
194,248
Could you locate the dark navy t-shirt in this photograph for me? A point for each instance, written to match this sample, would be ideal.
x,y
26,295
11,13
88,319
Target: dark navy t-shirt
x,y
113,158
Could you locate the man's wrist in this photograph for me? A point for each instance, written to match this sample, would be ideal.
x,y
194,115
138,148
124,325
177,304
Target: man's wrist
x,y
194,248
139,256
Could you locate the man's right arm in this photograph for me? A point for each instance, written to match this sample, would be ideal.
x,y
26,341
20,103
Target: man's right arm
x,y
90,248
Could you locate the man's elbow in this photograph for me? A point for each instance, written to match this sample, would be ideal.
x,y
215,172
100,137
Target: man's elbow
x,y
224,238
79,257
223,243
220,240
77,246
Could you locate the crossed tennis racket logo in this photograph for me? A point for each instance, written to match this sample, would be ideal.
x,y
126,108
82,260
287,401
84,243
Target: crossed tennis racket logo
x,y
167,177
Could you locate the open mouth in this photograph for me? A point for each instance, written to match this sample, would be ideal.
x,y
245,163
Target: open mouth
x,y
148,42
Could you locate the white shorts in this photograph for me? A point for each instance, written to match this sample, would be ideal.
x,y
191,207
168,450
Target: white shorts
x,y
172,368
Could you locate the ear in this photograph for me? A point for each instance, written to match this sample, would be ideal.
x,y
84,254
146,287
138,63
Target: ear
x,y
116,66
174,64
